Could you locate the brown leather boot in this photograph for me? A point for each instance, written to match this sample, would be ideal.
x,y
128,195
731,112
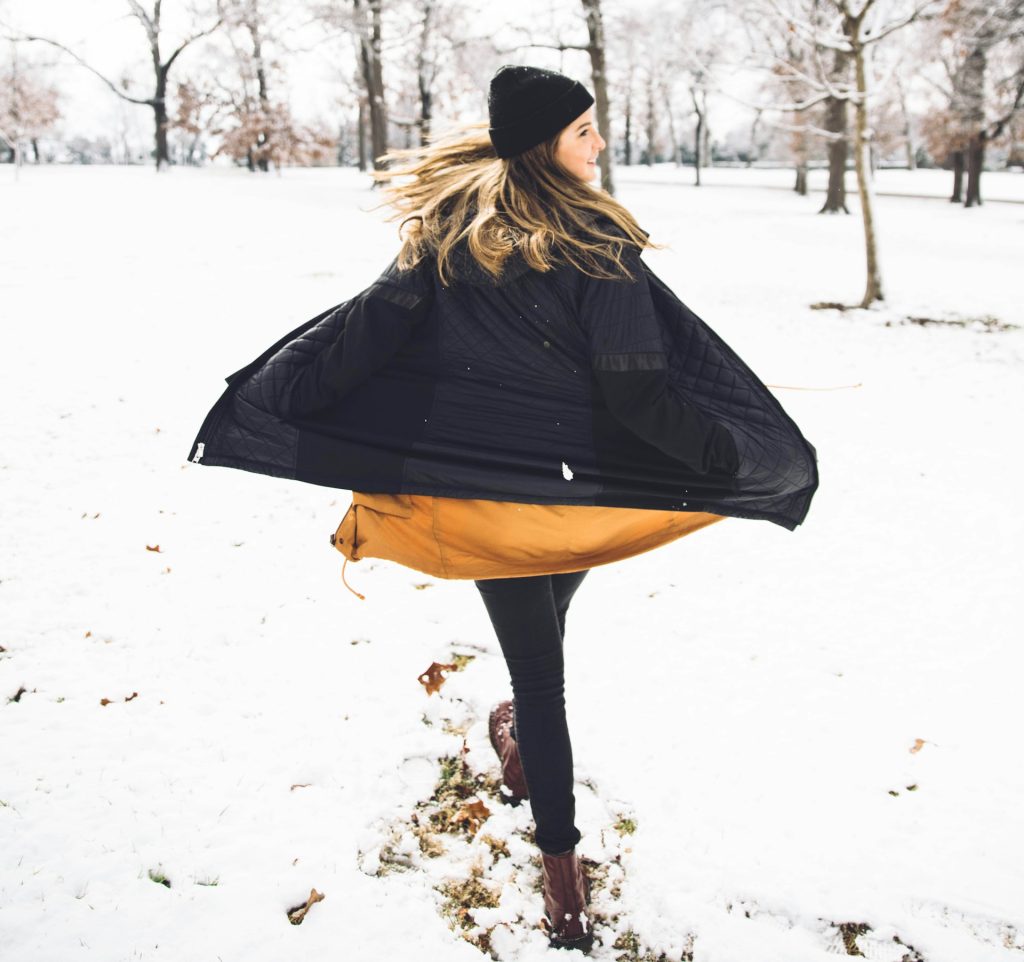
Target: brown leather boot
x,y
500,724
567,902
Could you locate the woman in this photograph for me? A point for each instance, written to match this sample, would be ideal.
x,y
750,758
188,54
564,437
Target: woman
x,y
516,399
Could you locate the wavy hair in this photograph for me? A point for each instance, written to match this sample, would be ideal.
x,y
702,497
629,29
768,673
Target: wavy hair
x,y
457,187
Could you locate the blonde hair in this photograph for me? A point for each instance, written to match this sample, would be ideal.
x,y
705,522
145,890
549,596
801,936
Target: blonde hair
x,y
459,187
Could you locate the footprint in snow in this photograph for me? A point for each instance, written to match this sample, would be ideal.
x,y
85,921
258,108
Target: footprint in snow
x,y
476,857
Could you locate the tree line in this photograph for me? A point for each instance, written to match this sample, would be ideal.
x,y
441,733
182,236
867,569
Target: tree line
x,y
934,79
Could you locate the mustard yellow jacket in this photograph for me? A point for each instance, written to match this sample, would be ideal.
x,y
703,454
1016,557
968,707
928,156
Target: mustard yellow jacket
x,y
478,539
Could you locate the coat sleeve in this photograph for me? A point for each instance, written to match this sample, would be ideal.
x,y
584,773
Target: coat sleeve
x,y
630,367
378,323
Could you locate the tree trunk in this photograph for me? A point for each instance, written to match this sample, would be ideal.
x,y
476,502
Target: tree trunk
x,y
975,162
671,124
263,146
163,159
957,157
627,148
838,149
970,85
908,139
651,127
752,149
373,77
423,73
697,140
596,49
873,288
362,135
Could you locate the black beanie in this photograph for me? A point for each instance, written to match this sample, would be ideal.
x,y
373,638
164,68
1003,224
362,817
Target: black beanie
x,y
527,105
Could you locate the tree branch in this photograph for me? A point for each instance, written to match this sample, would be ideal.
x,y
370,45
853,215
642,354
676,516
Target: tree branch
x,y
806,128
545,46
140,14
1001,122
897,24
53,43
192,39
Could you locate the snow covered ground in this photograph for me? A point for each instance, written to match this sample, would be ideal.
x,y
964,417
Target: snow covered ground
x,y
996,186
787,743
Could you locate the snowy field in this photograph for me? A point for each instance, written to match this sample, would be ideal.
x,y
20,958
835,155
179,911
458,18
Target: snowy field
x,y
789,746
892,181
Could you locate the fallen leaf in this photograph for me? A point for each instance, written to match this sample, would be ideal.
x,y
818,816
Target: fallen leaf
x,y
108,701
297,914
918,745
154,547
88,634
426,584
300,785
432,679
473,814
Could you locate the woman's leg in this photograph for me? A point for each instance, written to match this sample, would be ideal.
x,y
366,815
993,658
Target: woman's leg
x,y
528,615
563,587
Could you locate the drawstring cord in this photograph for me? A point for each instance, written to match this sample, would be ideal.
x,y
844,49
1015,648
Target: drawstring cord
x,y
347,585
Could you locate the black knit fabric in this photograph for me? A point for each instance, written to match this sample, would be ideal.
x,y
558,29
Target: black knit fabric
x,y
527,105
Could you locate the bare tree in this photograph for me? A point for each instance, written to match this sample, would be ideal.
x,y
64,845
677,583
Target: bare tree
x,y
362,20
28,107
673,58
908,132
426,68
852,28
595,47
836,124
368,35
197,114
857,34
446,56
150,21
630,31
257,125
251,17
699,95
970,36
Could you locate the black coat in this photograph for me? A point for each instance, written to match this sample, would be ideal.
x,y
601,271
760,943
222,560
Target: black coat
x,y
548,388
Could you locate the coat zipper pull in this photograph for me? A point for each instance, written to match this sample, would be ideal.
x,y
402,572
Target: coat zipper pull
x,y
199,452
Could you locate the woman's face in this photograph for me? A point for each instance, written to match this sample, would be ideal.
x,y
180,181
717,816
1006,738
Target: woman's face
x,y
578,146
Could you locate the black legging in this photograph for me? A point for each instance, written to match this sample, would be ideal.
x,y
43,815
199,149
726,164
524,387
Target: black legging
x,y
528,615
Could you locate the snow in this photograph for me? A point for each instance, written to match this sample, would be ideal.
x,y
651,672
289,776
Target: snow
x,y
757,701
